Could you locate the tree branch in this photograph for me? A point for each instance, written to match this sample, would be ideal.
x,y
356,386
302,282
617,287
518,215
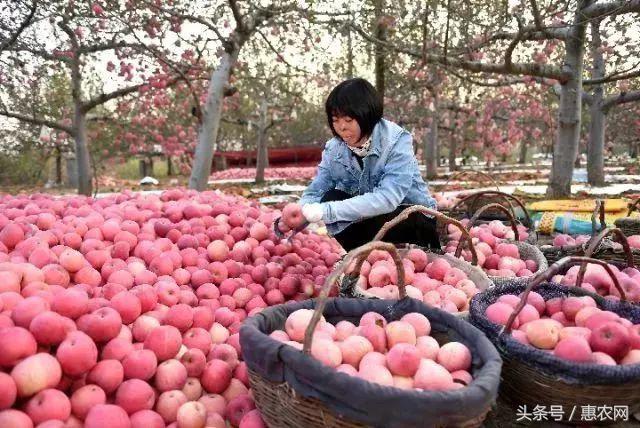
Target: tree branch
x,y
530,33
619,7
237,121
614,77
103,98
622,98
270,45
11,40
509,52
536,14
497,84
36,121
38,52
529,69
233,4
106,47
192,18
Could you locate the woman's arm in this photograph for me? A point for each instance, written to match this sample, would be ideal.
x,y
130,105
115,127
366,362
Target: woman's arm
x,y
394,185
322,182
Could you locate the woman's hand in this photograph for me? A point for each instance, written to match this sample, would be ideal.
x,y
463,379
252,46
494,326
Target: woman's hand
x,y
313,212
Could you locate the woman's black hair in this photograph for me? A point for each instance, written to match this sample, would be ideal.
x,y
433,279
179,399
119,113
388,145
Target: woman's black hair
x,y
356,98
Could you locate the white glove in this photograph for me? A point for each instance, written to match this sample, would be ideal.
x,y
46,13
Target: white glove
x,y
312,212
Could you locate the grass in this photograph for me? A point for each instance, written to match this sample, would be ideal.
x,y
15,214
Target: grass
x,y
130,170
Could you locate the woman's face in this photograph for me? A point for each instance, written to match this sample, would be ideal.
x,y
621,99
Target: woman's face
x,y
348,129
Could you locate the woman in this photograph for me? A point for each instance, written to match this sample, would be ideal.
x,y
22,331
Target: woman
x,y
368,174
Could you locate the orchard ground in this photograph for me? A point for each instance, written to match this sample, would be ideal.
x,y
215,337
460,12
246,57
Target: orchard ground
x,y
513,178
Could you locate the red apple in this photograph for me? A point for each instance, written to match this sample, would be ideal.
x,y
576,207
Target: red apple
x,y
16,343
77,354
84,398
107,416
35,373
611,338
134,395
107,374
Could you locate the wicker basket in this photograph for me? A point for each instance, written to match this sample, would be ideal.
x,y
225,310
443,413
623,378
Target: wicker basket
x,y
292,389
602,248
473,272
467,206
533,377
630,225
483,180
526,250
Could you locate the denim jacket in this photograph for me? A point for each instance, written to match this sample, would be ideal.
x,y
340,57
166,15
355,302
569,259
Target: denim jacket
x,y
389,177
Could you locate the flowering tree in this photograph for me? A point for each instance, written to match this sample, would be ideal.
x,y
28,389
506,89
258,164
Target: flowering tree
x,y
606,57
525,40
84,36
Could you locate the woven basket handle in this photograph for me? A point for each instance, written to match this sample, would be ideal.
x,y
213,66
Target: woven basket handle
x,y
439,216
482,174
597,240
505,196
633,206
553,270
280,235
598,214
472,222
358,254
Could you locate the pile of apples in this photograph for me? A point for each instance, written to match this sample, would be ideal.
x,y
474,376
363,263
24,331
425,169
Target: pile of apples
x,y
597,280
445,202
399,353
496,256
562,240
572,328
124,311
435,283
276,173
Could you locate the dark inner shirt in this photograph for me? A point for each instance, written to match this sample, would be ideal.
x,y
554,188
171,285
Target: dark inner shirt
x,y
359,159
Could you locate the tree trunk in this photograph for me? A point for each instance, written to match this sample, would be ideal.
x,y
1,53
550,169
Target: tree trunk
x,y
522,157
431,143
595,147
453,148
212,113
58,166
261,145
80,131
349,54
565,148
381,34
169,167
82,152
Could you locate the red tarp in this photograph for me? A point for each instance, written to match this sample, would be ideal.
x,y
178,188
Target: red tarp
x,y
301,156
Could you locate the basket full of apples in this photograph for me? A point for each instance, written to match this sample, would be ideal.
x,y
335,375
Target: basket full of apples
x,y
630,225
562,345
475,204
436,279
501,252
594,277
345,362
447,202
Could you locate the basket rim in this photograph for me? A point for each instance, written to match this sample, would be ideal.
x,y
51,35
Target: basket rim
x,y
483,373
543,263
481,279
501,340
